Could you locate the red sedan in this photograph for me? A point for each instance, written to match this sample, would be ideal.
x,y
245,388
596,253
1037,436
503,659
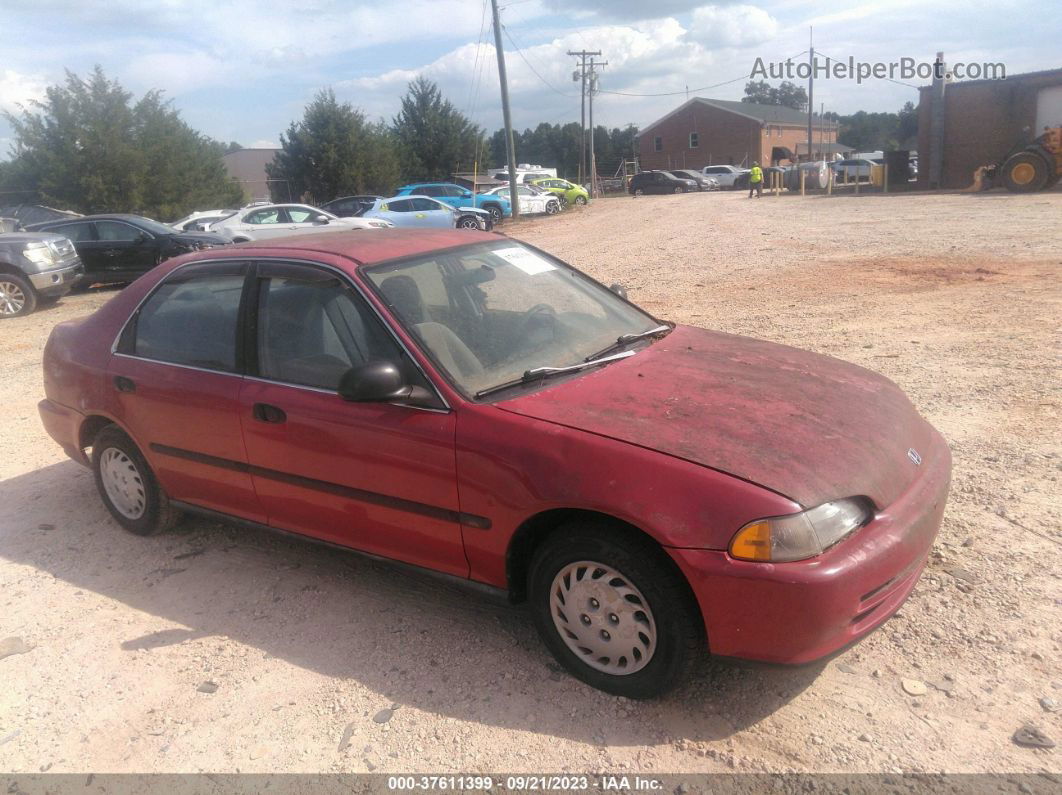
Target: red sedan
x,y
465,403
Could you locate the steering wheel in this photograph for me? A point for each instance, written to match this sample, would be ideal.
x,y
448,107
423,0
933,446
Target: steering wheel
x,y
538,315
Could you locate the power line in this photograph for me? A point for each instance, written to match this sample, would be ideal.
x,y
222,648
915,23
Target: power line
x,y
897,82
688,90
520,52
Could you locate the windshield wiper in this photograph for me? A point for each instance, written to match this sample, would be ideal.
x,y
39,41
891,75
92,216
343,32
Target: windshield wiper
x,y
627,339
540,373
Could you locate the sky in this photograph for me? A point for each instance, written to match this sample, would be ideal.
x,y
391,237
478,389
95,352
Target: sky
x,y
242,71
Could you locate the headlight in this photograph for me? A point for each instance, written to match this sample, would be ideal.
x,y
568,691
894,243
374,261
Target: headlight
x,y
801,535
39,253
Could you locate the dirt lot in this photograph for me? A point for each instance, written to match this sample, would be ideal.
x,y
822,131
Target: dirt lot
x,y
957,298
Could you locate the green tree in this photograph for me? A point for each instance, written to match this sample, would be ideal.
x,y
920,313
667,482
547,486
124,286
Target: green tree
x,y
434,138
786,93
334,152
88,147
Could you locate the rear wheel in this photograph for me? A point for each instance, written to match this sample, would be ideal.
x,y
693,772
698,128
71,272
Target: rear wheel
x,y
17,296
1025,172
680,189
613,611
639,191
128,486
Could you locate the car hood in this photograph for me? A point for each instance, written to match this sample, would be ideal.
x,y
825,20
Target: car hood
x,y
807,426
30,237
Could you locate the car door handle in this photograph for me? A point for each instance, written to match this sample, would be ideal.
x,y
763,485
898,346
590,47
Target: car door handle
x,y
123,384
263,412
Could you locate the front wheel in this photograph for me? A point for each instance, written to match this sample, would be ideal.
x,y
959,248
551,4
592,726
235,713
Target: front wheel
x,y
128,486
17,296
1025,172
552,207
680,189
495,212
639,191
614,611
580,200
468,222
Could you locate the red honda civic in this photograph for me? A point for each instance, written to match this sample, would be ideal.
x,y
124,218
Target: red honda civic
x,y
468,404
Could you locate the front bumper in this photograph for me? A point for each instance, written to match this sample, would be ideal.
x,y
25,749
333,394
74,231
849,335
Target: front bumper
x,y
802,611
59,281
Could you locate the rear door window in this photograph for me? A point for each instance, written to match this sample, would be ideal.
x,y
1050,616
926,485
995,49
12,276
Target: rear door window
x,y
191,319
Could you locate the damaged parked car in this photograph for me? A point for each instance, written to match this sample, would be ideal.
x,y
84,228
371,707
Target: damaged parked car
x,y
465,403
116,249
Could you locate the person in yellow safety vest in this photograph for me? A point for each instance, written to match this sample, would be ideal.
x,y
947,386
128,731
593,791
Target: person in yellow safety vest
x,y
756,180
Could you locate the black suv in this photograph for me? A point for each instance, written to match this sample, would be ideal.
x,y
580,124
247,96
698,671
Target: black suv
x,y
660,182
119,248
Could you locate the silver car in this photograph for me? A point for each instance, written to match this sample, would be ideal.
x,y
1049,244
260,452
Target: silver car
x,y
268,221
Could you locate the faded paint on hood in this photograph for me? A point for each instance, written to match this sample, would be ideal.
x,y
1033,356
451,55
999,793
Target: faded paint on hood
x,y
810,427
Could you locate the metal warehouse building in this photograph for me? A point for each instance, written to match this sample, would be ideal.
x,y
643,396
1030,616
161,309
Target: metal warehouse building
x,y
705,132
977,122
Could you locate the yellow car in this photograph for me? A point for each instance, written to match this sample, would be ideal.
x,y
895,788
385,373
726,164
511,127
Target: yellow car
x,y
572,193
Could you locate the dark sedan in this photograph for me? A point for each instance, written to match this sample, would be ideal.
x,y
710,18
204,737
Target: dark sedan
x,y
703,182
120,248
350,206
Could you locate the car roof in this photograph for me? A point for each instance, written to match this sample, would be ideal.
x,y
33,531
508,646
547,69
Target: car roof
x,y
429,185
100,217
362,246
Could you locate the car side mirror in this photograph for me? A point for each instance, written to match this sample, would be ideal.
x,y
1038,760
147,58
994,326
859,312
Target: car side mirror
x,y
467,194
619,290
380,381
321,221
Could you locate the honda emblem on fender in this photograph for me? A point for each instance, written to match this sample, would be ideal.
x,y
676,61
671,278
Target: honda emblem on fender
x,y
914,456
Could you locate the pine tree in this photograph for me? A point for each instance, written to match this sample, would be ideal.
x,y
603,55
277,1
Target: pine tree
x,y
435,139
88,147
334,152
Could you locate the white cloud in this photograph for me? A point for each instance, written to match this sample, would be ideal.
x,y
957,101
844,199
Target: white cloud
x,y
17,88
732,26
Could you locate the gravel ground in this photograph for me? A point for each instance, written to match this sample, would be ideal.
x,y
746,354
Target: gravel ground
x,y
218,649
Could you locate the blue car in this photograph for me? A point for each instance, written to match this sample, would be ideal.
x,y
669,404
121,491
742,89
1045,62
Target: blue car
x,y
424,211
456,196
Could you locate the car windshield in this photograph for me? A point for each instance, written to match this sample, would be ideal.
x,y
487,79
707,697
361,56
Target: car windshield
x,y
489,312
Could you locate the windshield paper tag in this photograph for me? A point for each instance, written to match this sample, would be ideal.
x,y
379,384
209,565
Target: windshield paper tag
x,y
527,261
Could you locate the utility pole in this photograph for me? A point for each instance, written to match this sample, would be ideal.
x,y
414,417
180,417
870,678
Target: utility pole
x,y
593,159
811,89
514,196
581,75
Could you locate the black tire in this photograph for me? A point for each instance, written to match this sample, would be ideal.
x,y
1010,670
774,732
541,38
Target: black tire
x,y
17,296
679,629
157,514
495,212
639,191
680,189
553,207
1025,172
241,240
468,222
580,200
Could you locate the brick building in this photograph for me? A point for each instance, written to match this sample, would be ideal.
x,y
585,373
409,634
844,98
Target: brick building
x,y
983,120
705,132
248,167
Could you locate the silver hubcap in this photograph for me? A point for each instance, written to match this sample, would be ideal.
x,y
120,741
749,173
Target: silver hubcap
x,y
123,484
602,617
12,299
